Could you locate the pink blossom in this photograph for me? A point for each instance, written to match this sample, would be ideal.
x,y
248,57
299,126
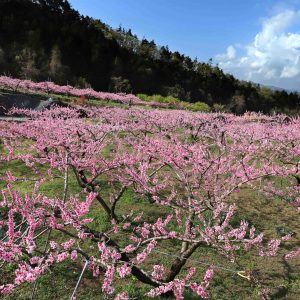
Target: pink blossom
x,y
106,286
6,289
122,296
158,272
292,254
124,270
67,245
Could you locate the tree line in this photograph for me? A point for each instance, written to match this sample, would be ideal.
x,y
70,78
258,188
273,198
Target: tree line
x,y
49,40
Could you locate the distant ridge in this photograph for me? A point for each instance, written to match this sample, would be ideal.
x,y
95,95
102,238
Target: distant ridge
x,y
276,88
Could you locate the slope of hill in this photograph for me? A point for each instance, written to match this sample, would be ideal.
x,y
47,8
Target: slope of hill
x,y
48,40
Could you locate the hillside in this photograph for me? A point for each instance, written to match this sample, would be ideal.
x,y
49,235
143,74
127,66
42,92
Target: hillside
x,y
47,40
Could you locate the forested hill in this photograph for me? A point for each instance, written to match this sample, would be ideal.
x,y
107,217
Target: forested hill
x,y
48,40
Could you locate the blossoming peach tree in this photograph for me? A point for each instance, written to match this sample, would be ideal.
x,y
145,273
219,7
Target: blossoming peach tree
x,y
184,166
29,86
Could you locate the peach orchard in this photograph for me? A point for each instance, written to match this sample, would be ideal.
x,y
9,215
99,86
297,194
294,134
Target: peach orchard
x,y
186,165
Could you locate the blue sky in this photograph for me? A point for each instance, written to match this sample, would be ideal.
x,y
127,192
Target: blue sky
x,y
256,40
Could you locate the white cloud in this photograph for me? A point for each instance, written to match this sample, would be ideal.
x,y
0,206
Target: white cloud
x,y
273,57
230,54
